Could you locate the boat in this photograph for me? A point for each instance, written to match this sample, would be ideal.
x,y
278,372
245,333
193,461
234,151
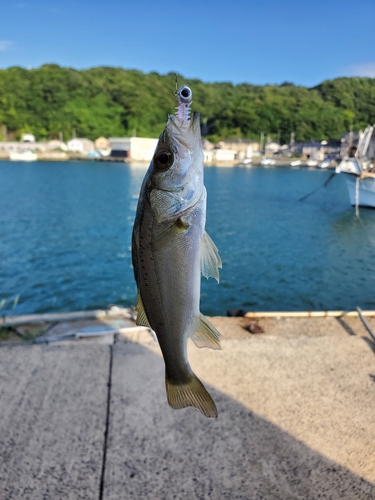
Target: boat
x,y
246,162
359,173
325,164
295,163
312,163
26,155
267,161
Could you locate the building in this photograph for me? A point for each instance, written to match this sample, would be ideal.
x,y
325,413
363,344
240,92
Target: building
x,y
103,146
245,148
316,150
102,143
133,148
271,148
220,155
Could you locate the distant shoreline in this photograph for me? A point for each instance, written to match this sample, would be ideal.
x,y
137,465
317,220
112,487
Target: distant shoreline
x,y
283,162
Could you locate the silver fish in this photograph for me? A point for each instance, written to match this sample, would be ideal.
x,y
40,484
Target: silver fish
x,y
170,249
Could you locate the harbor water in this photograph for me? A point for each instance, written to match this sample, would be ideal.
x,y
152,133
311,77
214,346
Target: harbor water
x,y
65,239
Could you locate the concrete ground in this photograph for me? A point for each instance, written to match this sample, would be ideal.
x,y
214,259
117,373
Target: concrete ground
x,y
88,419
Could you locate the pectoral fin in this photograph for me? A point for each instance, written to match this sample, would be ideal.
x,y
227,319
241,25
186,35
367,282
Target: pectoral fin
x,y
210,258
206,334
141,313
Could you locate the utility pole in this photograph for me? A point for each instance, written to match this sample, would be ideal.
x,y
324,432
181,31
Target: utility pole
x,y
351,136
261,142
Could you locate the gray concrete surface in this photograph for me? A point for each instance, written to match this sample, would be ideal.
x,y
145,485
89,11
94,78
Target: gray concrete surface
x,y
295,421
53,419
296,417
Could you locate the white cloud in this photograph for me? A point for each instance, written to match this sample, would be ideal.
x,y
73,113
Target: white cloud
x,y
366,69
5,45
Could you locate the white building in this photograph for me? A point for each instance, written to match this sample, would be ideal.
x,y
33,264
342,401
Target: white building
x,y
133,148
207,156
224,155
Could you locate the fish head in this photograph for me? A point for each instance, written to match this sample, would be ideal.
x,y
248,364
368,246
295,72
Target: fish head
x,y
176,170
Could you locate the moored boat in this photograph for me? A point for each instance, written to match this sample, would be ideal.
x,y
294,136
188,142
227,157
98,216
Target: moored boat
x,y
358,172
26,155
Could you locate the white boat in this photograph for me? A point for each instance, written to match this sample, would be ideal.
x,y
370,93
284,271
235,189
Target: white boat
x,y
361,189
357,171
312,163
295,163
267,161
26,155
246,162
325,164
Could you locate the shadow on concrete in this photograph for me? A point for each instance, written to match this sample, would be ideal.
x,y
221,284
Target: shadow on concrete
x,y
345,326
154,452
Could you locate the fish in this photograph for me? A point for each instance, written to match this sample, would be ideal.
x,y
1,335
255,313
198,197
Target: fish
x,y
170,250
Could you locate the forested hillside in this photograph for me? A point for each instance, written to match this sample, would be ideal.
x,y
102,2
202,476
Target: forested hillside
x,y
116,102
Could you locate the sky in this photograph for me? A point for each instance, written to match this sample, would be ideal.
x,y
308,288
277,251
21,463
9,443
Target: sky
x,y
257,42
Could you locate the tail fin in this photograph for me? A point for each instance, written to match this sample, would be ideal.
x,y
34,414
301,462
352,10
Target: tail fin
x,y
191,393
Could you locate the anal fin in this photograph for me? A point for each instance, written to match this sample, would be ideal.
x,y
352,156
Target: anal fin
x,y
141,313
206,334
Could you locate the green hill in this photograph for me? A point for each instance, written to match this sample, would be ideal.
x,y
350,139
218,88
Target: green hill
x,y
115,102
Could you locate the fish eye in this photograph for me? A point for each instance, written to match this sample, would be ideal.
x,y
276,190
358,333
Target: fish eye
x,y
163,159
185,94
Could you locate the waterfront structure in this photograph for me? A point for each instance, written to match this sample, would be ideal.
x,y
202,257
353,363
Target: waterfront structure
x,y
316,150
103,146
224,155
56,145
271,148
133,148
80,145
11,146
244,148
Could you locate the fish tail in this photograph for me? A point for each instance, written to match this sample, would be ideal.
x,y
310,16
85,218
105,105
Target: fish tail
x,y
191,393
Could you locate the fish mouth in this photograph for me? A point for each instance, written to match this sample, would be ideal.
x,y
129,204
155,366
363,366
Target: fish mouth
x,y
191,126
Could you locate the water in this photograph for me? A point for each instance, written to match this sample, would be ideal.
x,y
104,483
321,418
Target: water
x,y
65,232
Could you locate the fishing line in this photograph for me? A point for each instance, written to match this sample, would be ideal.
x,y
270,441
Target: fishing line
x,y
325,184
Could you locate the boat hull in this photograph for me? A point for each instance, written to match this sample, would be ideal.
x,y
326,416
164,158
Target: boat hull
x,y
366,190
24,156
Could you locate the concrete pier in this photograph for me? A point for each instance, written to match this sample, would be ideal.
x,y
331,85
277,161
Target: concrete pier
x,y
89,418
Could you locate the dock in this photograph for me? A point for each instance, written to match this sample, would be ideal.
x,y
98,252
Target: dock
x,y
84,413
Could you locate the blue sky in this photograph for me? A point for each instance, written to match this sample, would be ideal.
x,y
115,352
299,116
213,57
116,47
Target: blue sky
x,y
258,42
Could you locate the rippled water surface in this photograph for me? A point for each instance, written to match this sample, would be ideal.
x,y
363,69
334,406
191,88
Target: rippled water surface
x,y
65,231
